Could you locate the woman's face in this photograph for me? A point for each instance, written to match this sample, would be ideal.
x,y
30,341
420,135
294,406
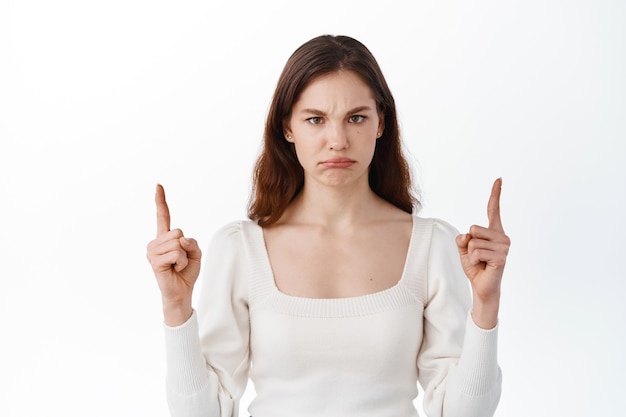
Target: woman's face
x,y
334,126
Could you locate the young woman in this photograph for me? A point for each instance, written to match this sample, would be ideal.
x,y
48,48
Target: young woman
x,y
334,298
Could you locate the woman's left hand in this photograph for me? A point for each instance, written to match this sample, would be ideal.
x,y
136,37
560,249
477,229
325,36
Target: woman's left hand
x,y
483,253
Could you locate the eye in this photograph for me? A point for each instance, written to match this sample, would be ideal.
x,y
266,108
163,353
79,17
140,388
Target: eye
x,y
314,120
356,119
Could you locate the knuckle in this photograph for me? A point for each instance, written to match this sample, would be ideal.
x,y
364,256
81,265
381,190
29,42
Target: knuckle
x,y
475,258
153,263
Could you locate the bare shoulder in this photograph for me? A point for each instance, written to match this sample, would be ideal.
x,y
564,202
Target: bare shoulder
x,y
387,212
391,224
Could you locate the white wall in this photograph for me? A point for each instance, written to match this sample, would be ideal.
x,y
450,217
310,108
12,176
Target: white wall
x,y
100,100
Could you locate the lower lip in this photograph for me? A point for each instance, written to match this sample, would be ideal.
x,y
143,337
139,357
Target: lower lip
x,y
343,164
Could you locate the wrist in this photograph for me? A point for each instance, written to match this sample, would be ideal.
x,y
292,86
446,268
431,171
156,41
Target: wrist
x,y
176,313
485,312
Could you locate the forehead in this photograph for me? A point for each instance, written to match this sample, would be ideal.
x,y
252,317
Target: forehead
x,y
338,87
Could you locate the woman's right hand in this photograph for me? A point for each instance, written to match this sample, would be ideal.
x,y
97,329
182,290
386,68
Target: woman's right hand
x,y
175,261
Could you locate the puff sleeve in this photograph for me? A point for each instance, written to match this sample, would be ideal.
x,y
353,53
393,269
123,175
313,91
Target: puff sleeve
x,y
208,356
457,362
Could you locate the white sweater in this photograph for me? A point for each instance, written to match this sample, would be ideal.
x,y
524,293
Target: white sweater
x,y
361,356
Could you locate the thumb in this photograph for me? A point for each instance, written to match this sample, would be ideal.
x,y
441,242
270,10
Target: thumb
x,y
191,247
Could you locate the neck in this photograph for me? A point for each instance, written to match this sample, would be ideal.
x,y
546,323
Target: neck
x,y
334,206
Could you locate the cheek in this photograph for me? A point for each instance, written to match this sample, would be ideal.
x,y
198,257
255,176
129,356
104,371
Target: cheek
x,y
367,132
302,152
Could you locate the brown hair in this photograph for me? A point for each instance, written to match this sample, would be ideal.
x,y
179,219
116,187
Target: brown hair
x,y
279,177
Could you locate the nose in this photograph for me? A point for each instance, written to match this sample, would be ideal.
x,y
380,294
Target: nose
x,y
337,137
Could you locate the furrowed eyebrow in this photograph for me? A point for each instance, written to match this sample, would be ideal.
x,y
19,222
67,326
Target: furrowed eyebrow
x,y
360,109
313,111
321,113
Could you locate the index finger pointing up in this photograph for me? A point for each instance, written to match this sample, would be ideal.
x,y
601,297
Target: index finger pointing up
x,y
493,207
162,211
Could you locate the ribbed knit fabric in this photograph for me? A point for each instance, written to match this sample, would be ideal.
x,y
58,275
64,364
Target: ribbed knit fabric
x,y
188,376
332,357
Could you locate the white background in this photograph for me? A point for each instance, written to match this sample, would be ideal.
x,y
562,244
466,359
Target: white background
x,y
99,101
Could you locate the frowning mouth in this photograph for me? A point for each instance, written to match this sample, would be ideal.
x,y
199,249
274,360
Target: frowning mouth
x,y
338,163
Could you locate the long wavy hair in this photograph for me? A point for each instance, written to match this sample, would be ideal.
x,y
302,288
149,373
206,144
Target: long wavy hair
x,y
278,176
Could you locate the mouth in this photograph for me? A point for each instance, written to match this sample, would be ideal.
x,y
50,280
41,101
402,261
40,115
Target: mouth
x,y
338,163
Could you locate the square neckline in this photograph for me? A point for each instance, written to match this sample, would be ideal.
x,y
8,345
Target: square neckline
x,y
272,279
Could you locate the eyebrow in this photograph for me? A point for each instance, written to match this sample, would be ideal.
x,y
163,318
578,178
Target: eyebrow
x,y
352,111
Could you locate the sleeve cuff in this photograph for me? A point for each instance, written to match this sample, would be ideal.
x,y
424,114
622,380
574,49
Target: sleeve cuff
x,y
478,372
186,366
